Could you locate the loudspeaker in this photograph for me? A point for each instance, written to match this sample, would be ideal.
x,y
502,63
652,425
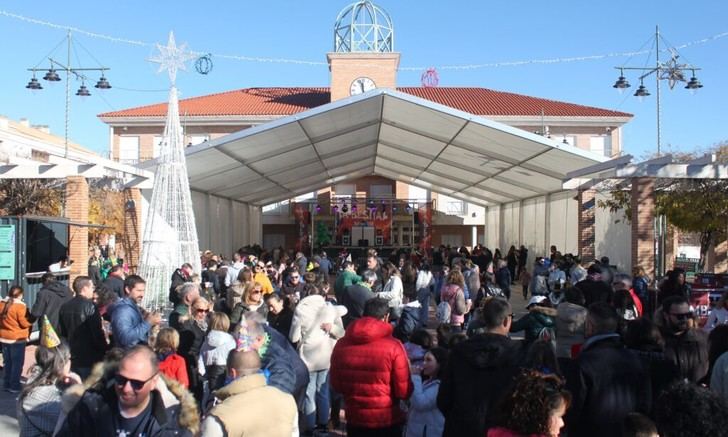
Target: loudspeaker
x,y
417,217
379,240
345,240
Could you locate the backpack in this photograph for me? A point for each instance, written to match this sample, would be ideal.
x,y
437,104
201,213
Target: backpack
x,y
443,311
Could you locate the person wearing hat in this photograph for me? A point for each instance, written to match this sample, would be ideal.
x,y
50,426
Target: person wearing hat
x,y
316,327
593,288
538,323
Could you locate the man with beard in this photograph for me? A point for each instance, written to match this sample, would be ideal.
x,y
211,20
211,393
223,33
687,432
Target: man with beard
x,y
129,326
686,347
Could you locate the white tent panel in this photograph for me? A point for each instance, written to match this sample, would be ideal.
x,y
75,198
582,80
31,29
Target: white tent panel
x,y
298,172
285,159
397,155
331,124
360,154
411,141
475,161
498,144
286,137
333,145
458,172
234,176
421,118
484,193
527,178
200,163
514,191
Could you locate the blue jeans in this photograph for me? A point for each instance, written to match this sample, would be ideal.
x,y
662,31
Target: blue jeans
x,y
316,406
14,357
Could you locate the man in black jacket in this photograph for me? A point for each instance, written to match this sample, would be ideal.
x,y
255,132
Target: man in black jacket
x,y
355,296
593,288
610,380
179,277
480,370
686,347
49,300
80,325
115,281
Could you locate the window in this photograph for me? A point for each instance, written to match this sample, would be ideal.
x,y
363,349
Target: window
x,y
380,191
157,146
345,190
129,149
601,145
193,140
456,207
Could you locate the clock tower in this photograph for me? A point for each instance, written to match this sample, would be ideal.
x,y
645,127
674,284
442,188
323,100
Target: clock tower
x,y
363,58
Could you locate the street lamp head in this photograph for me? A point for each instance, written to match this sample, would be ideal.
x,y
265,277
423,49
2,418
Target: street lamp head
x,y
52,75
621,84
641,92
83,91
694,84
34,85
102,84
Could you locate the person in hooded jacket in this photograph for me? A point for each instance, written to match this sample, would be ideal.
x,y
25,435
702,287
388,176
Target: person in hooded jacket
x,y
539,322
179,277
370,369
424,419
593,288
480,370
570,318
316,327
214,351
49,300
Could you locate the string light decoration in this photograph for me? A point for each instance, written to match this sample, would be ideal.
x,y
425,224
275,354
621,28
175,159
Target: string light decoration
x,y
258,59
203,64
170,233
430,78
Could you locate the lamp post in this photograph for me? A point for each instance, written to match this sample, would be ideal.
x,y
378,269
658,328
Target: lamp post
x,y
670,70
52,76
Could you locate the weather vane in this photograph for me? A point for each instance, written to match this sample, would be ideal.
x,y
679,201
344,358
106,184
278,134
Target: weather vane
x,y
172,58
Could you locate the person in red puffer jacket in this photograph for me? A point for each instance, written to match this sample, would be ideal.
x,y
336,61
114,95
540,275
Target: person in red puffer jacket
x,y
370,369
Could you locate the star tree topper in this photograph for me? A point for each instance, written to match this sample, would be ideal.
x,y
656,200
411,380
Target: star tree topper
x,y
172,58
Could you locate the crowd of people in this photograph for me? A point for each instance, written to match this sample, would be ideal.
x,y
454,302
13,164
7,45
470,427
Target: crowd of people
x,y
416,343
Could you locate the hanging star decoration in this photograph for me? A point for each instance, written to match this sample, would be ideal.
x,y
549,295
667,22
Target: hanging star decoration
x,y
172,58
672,71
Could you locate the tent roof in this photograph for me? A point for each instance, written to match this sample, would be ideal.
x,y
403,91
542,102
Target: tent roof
x,y
387,133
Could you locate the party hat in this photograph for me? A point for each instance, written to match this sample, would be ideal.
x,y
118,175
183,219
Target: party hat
x,y
49,338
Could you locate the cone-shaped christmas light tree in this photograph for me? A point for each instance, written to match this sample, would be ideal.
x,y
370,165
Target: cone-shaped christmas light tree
x,y
170,234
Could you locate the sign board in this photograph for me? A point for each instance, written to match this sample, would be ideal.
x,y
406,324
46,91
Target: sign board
x,y
7,252
689,265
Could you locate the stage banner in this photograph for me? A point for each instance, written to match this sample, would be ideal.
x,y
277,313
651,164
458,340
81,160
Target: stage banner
x,y
378,218
303,227
425,217
383,226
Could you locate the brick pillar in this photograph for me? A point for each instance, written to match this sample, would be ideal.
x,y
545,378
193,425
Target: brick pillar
x,y
77,211
717,257
643,227
132,239
587,224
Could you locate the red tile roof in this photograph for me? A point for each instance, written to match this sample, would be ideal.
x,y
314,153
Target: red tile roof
x,y
287,101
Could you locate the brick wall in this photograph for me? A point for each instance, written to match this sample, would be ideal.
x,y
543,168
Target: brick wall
x,y
587,224
132,239
643,216
77,202
346,67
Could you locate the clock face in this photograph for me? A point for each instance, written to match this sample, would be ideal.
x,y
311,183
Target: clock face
x,y
361,85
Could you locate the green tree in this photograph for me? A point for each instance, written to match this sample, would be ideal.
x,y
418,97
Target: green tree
x,y
691,205
323,237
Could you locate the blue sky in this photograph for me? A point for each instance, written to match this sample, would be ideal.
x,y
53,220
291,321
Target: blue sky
x,y
428,33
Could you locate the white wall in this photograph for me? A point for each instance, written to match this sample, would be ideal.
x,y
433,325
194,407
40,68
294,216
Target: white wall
x,y
613,239
224,225
540,222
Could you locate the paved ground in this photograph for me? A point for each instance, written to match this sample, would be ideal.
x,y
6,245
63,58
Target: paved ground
x,y
9,424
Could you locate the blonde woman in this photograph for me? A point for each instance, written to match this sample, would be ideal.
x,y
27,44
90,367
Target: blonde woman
x,y
252,300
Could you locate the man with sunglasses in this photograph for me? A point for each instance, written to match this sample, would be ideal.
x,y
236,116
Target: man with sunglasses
x,y
129,405
686,346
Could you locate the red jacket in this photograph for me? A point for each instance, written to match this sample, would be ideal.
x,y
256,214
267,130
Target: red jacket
x,y
174,367
370,369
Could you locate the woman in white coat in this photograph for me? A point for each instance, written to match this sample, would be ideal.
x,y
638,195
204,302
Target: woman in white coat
x,y
316,327
425,419
393,290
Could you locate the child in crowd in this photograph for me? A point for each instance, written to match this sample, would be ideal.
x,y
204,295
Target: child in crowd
x,y
171,364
